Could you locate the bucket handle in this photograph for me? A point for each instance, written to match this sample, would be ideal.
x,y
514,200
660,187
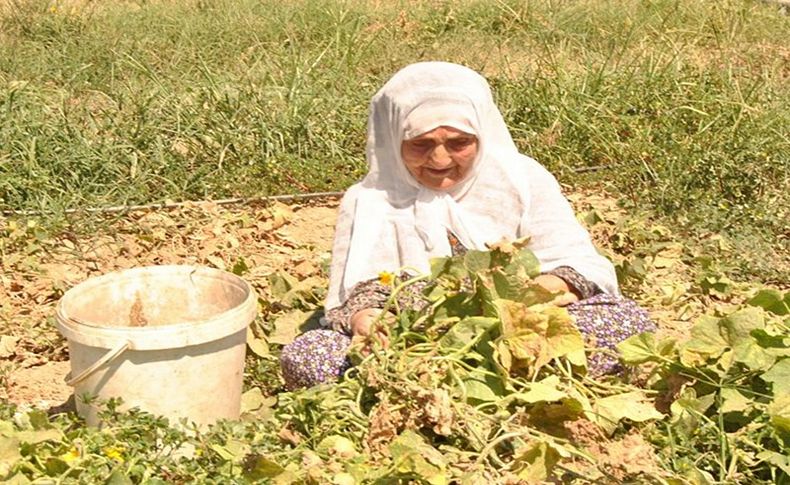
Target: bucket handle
x,y
111,355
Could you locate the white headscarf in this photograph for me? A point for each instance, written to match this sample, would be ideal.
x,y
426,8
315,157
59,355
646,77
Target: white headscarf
x,y
389,221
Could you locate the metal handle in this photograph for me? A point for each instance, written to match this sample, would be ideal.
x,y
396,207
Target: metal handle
x,y
111,355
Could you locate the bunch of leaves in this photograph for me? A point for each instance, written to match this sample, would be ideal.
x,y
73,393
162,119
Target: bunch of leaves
x,y
482,384
727,393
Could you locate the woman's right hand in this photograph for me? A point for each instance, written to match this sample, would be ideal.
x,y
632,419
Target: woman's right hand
x,y
362,321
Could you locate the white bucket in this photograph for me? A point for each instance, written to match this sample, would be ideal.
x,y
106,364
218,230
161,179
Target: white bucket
x,y
170,340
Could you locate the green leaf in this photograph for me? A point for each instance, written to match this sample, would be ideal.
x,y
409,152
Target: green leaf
x,y
526,260
734,401
252,400
258,467
777,459
737,330
687,410
411,454
779,377
287,327
772,300
118,477
281,283
779,412
776,344
642,348
483,387
535,462
240,267
466,331
634,405
542,391
476,261
39,419
706,342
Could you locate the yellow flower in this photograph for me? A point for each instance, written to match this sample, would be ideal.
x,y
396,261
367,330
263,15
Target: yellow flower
x,y
386,278
113,453
53,9
70,456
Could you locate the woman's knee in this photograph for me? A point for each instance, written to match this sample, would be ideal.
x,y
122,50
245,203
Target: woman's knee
x,y
315,357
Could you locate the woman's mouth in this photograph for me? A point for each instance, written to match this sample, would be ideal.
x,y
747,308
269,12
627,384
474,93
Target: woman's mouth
x,y
436,172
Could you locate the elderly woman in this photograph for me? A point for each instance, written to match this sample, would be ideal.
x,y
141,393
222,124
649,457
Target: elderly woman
x,y
444,177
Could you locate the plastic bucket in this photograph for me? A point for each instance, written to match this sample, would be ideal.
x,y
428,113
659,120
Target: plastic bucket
x,y
170,340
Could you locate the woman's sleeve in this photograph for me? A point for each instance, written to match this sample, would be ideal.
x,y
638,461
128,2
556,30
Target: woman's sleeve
x,y
556,237
583,287
371,294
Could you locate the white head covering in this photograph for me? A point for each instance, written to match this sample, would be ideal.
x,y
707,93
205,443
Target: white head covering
x,y
390,221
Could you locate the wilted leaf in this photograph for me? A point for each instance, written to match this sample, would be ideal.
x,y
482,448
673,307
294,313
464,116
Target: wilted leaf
x,y
536,335
258,345
18,479
336,445
38,436
8,346
9,454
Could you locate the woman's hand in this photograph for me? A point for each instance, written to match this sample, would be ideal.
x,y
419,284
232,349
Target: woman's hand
x,y
556,284
362,321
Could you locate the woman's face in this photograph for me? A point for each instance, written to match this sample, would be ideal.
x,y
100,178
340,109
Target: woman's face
x,y
440,158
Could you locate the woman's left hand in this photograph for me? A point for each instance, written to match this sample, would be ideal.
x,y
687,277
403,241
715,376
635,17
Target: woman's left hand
x,y
556,284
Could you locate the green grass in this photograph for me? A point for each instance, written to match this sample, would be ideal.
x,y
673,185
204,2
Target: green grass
x,y
136,102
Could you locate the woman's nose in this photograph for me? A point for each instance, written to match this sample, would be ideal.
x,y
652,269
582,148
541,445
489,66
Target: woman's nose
x,y
440,156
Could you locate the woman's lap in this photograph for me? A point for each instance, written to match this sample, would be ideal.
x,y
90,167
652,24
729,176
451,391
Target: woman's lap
x,y
320,355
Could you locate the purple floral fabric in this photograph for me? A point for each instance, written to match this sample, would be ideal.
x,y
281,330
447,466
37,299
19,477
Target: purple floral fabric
x,y
315,357
606,320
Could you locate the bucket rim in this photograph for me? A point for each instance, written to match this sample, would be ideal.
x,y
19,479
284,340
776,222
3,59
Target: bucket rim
x,y
151,337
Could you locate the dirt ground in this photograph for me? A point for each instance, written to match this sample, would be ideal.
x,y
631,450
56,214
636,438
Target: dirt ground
x,y
293,237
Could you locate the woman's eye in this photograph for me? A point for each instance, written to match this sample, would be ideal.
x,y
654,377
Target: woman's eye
x,y
421,145
460,143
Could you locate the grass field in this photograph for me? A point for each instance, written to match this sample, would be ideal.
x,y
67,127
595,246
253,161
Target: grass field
x,y
114,103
